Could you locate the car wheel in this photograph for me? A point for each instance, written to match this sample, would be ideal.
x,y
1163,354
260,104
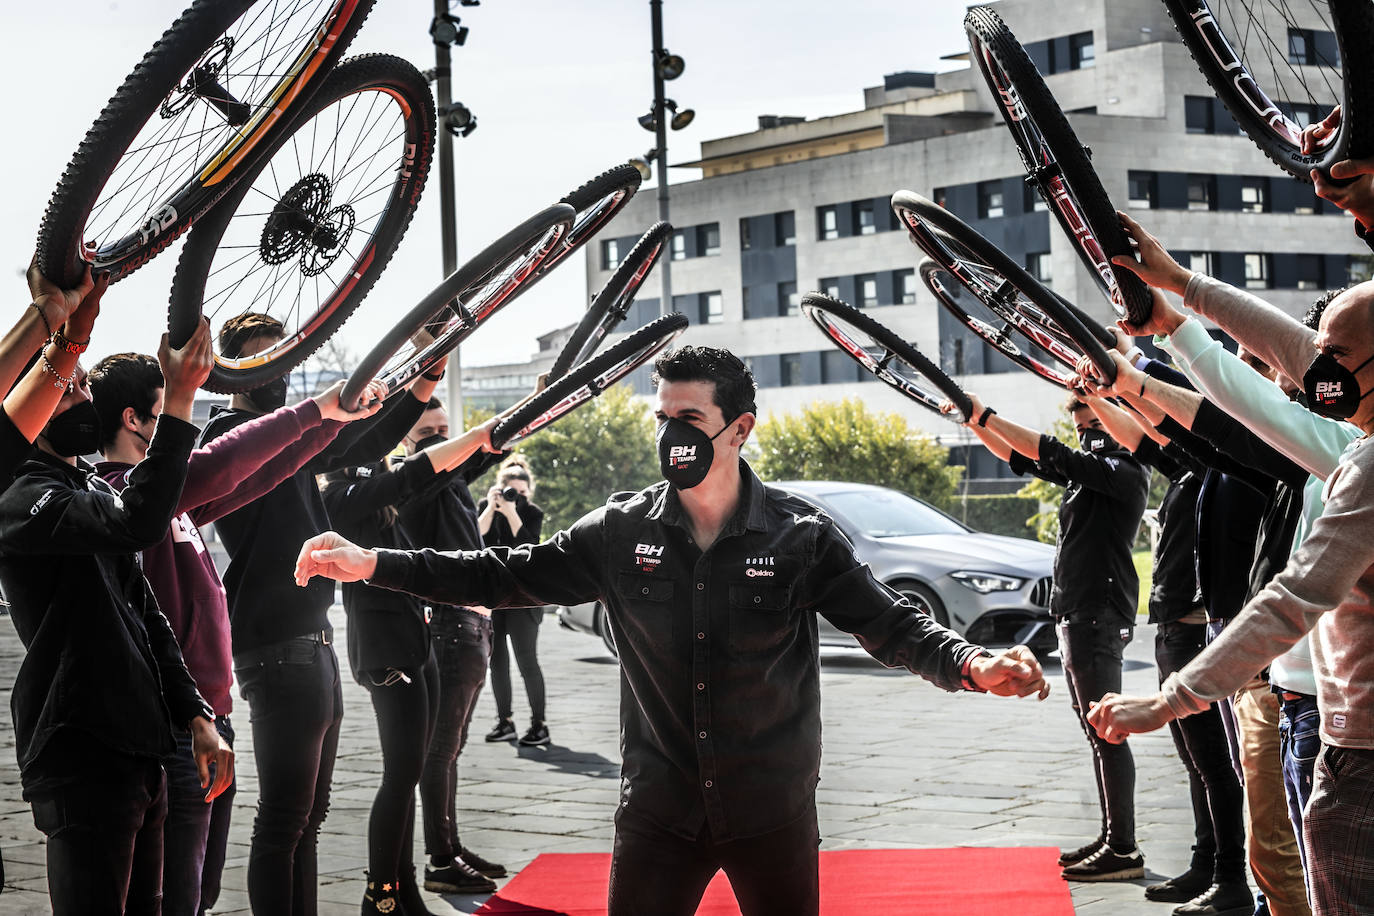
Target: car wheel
x,y
603,628
926,601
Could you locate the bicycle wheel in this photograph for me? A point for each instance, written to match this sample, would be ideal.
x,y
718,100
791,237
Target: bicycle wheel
x,y
193,114
1055,162
965,306
458,306
610,306
881,351
596,202
305,234
1040,315
1277,69
587,380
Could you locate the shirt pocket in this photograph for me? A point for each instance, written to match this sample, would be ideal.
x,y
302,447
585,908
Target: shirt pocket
x,y
648,603
759,618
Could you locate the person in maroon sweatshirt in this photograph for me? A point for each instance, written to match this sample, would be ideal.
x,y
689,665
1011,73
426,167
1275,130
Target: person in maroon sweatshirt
x,y
248,461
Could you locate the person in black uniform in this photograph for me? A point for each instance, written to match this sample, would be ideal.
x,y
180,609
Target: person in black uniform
x,y
712,582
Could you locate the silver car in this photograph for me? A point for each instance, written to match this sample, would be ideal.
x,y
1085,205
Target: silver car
x,y
992,589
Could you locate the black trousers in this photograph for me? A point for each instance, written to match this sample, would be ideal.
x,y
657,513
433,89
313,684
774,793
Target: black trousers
x,y
1218,800
104,833
1091,651
656,871
405,709
521,624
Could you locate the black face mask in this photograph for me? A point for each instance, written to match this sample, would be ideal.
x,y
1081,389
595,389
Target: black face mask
x,y
685,453
428,441
1094,440
272,395
1331,389
75,431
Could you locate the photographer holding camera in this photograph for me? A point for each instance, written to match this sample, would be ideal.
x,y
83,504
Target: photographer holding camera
x,y
507,518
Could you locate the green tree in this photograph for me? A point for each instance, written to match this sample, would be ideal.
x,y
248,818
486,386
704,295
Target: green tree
x,y
597,450
845,441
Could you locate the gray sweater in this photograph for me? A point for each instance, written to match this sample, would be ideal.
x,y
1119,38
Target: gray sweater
x,y
1328,582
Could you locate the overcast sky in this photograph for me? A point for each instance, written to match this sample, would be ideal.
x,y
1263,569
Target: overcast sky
x,y
556,87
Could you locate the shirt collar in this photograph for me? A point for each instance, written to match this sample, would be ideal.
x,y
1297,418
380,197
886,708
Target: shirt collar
x,y
749,516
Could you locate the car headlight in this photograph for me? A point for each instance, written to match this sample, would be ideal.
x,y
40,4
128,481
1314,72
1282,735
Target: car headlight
x,y
984,582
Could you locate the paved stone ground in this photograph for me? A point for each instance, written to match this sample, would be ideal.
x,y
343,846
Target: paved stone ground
x,y
905,765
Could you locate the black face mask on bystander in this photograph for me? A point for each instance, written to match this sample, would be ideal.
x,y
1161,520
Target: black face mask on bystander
x,y
75,431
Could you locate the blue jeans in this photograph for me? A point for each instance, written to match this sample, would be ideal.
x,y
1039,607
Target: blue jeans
x,y
295,705
462,648
1299,721
195,835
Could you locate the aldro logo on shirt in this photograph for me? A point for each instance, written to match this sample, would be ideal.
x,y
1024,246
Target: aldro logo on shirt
x,y
752,562
648,556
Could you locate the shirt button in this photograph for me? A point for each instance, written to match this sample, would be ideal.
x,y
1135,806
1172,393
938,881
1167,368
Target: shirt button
x,y
644,590
701,686
709,784
700,586
701,734
758,599
701,636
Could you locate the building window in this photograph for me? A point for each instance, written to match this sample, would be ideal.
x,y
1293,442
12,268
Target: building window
x,y
610,254
1302,47
745,241
1197,261
867,285
1038,266
957,356
712,311
941,197
1254,195
747,299
679,251
708,239
1311,271
785,228
1197,114
1301,113
1359,268
789,300
863,218
791,369
1081,52
1142,190
990,202
830,286
828,223
1304,198
904,283
1257,271
1031,201
1202,192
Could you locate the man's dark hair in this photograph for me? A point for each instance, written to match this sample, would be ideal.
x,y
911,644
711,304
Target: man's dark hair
x,y
434,404
240,329
1074,404
120,381
1313,316
735,387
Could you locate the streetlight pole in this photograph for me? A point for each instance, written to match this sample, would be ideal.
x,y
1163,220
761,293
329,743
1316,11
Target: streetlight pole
x,y
665,302
448,218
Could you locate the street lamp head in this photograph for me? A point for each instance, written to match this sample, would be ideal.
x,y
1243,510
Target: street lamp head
x,y
641,163
458,119
670,66
681,118
648,121
445,29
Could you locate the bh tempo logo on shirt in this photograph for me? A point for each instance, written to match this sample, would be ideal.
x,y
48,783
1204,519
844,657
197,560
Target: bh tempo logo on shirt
x,y
680,456
648,556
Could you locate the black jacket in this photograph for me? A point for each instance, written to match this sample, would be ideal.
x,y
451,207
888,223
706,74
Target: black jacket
x,y
499,534
101,659
1104,497
1174,591
264,537
720,684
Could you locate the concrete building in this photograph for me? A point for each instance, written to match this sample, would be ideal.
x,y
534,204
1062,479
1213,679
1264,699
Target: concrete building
x,y
802,204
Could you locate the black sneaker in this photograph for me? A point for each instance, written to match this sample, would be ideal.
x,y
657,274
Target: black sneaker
x,y
1182,888
1229,899
1074,856
537,736
479,864
458,878
1107,865
504,731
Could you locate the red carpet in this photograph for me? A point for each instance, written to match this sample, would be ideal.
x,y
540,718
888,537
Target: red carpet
x,y
854,882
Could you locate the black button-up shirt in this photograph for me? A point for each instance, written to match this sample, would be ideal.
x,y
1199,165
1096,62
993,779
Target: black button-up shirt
x,y
720,680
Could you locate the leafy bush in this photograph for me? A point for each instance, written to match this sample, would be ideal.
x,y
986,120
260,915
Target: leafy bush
x,y
1008,514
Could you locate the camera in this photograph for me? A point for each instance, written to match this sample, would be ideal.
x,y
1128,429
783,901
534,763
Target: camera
x,y
512,495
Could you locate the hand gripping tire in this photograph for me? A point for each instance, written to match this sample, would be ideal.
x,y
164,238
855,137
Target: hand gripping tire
x,y
1056,163
881,351
305,234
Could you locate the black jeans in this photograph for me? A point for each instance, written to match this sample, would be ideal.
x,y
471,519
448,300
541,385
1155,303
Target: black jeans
x,y
295,705
196,835
656,871
521,624
1218,800
1091,651
104,833
462,645
405,708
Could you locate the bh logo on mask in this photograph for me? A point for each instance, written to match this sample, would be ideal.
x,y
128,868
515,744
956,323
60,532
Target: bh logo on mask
x,y
682,455
1328,391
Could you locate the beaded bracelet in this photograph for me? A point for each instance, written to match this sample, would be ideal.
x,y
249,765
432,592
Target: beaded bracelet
x,y
62,381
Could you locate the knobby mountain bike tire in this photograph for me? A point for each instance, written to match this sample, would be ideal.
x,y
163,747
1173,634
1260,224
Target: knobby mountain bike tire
x,y
893,360
584,382
194,114
1055,161
1039,314
596,203
306,232
460,304
610,306
1245,50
